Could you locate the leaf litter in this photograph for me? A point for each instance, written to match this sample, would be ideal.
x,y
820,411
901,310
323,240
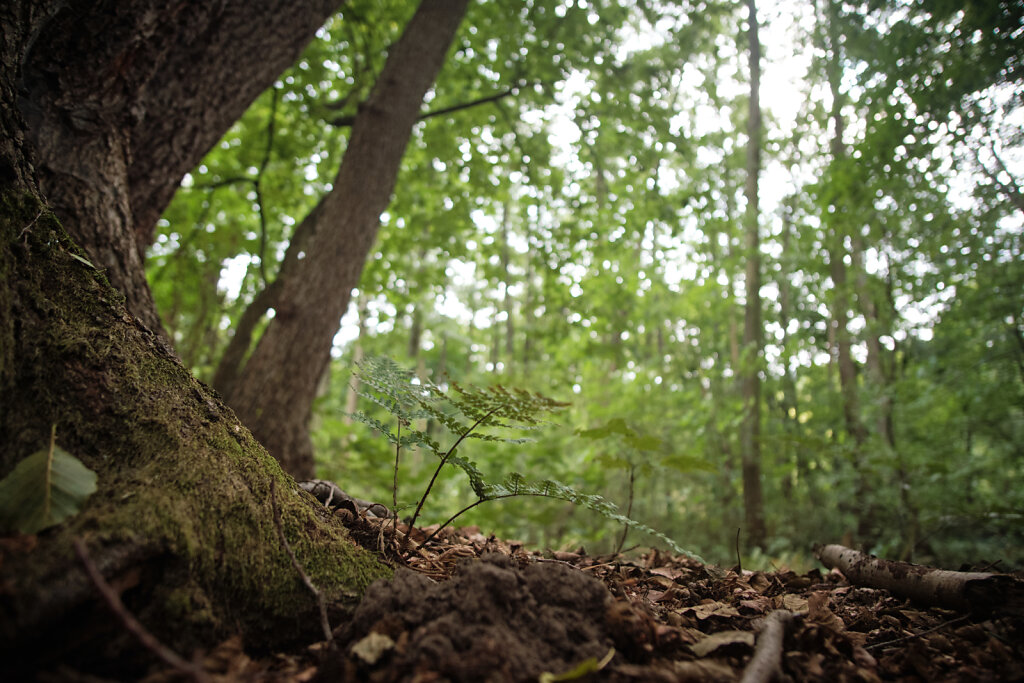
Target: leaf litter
x,y
470,607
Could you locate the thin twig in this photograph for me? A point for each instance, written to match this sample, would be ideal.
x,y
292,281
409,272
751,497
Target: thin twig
x,y
321,603
24,231
739,563
258,185
350,119
167,655
912,636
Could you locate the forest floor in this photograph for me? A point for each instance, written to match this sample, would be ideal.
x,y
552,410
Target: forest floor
x,y
468,607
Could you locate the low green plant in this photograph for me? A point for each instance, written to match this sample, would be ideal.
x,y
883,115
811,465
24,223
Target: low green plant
x,y
44,489
469,413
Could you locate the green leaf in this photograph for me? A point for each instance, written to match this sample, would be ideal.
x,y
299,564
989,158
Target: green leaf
x,y
610,461
688,463
587,666
644,443
44,489
613,426
79,258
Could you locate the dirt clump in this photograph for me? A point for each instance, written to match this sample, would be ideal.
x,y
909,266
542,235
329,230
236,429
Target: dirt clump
x,y
493,621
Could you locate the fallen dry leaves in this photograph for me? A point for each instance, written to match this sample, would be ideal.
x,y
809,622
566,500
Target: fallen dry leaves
x,y
669,619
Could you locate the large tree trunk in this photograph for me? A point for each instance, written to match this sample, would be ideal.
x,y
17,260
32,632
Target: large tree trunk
x,y
122,99
182,519
274,394
750,381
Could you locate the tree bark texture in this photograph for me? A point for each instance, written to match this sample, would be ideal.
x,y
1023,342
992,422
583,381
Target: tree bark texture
x,y
978,592
182,519
750,431
275,392
122,99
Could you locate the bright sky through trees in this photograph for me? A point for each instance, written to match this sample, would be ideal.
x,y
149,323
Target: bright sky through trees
x,y
787,60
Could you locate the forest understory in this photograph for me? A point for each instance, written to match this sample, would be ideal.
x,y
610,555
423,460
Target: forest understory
x,y
470,607
760,263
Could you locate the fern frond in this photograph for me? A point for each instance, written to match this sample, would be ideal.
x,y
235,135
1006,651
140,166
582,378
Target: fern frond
x,y
516,485
463,411
376,424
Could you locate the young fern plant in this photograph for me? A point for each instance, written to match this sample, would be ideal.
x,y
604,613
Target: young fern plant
x,y
469,413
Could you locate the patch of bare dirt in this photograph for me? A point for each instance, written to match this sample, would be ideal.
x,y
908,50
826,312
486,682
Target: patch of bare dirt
x,y
493,620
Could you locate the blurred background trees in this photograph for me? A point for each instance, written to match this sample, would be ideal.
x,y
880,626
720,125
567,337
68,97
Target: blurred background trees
x,y
571,217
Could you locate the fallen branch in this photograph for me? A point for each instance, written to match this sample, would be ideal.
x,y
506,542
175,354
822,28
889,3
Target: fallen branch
x,y
965,591
167,655
766,664
321,603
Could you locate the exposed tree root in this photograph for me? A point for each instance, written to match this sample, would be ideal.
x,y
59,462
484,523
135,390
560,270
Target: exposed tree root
x,y
167,655
321,603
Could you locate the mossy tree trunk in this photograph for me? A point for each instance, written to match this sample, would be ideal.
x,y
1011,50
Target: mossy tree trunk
x,y
123,98
182,520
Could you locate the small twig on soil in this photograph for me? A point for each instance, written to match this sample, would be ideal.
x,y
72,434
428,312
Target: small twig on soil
x,y
990,566
321,603
766,664
912,636
739,564
167,655
597,566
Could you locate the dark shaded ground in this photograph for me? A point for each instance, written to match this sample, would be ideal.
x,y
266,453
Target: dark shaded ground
x,y
472,608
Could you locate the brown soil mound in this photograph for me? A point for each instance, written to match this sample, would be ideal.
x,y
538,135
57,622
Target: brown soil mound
x,y
492,621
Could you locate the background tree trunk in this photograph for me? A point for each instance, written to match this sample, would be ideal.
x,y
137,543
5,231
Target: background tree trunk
x,y
750,381
274,394
838,227
182,515
125,98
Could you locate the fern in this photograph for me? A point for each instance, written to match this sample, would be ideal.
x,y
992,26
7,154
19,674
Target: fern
x,y
465,412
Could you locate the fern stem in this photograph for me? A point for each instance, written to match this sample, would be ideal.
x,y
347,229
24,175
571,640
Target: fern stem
x,y
456,516
470,507
394,487
629,509
444,459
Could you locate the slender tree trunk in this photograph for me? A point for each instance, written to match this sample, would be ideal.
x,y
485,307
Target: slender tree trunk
x,y
841,290
529,317
750,381
506,257
880,379
352,396
141,91
275,391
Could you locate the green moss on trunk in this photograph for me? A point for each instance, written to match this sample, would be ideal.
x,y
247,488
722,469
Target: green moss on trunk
x,y
184,489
